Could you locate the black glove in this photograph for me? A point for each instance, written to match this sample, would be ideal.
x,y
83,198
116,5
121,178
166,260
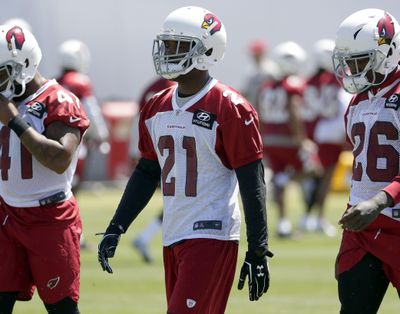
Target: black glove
x,y
256,268
106,250
108,245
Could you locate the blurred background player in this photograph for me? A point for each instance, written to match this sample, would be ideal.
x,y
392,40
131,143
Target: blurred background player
x,y
326,103
261,69
142,241
74,59
289,152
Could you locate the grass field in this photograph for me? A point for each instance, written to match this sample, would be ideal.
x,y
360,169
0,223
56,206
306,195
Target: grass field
x,y
302,270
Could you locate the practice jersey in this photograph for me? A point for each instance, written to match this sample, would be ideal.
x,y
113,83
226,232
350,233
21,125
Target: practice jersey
x,y
373,129
326,101
198,146
320,99
274,112
24,180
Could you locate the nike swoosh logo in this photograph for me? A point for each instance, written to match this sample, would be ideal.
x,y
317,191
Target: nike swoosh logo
x,y
247,122
73,119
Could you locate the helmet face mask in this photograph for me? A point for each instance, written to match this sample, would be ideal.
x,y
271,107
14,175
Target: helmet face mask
x,y
358,72
172,63
367,50
191,38
6,77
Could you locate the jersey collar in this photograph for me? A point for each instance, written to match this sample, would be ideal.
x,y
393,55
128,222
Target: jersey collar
x,y
195,99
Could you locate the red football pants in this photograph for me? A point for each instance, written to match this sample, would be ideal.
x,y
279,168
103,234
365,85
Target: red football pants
x,y
199,275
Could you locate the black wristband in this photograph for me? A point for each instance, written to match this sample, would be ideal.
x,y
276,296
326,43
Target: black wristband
x,y
18,125
115,229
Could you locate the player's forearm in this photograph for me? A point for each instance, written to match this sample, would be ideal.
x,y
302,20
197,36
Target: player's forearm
x,y
138,192
253,191
393,191
296,125
50,153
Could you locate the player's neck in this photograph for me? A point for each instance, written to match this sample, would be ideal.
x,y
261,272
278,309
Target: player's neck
x,y
192,82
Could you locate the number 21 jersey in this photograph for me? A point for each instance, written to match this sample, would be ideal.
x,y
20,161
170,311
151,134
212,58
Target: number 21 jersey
x,y
198,146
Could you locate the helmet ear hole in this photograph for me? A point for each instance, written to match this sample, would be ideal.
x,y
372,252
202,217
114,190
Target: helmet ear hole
x,y
209,52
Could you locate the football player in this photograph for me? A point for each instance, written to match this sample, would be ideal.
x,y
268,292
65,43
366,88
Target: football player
x,y
201,139
260,70
41,127
74,59
288,150
326,102
366,58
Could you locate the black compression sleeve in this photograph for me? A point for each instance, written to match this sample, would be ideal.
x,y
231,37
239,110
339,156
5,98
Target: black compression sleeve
x,y
138,191
253,191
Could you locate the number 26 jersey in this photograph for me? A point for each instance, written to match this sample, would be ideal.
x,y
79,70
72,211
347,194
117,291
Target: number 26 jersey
x,y
373,129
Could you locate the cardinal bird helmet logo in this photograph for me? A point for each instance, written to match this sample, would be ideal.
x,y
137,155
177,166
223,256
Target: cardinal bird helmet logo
x,y
385,30
210,20
17,35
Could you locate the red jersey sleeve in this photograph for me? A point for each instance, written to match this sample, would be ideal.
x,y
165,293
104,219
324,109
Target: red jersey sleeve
x,y
77,83
145,143
64,106
239,136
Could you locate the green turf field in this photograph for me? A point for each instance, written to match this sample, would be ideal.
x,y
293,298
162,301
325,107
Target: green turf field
x,y
302,270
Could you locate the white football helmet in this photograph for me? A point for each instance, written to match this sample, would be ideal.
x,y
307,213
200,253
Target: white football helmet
x,y
196,28
322,52
74,55
20,56
368,36
289,57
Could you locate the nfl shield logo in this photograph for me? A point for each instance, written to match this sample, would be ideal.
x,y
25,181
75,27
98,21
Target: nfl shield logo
x,y
190,303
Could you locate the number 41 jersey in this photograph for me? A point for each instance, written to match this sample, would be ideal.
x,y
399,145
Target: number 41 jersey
x,y
373,129
198,146
23,179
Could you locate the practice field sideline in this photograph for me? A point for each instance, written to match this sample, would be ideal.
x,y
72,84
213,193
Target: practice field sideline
x,y
302,270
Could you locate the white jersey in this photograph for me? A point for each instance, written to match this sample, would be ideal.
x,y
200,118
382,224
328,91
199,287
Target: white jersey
x,y
373,128
198,146
24,180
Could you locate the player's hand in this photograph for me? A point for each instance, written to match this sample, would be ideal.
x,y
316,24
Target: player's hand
x,y
360,216
308,154
256,269
106,250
